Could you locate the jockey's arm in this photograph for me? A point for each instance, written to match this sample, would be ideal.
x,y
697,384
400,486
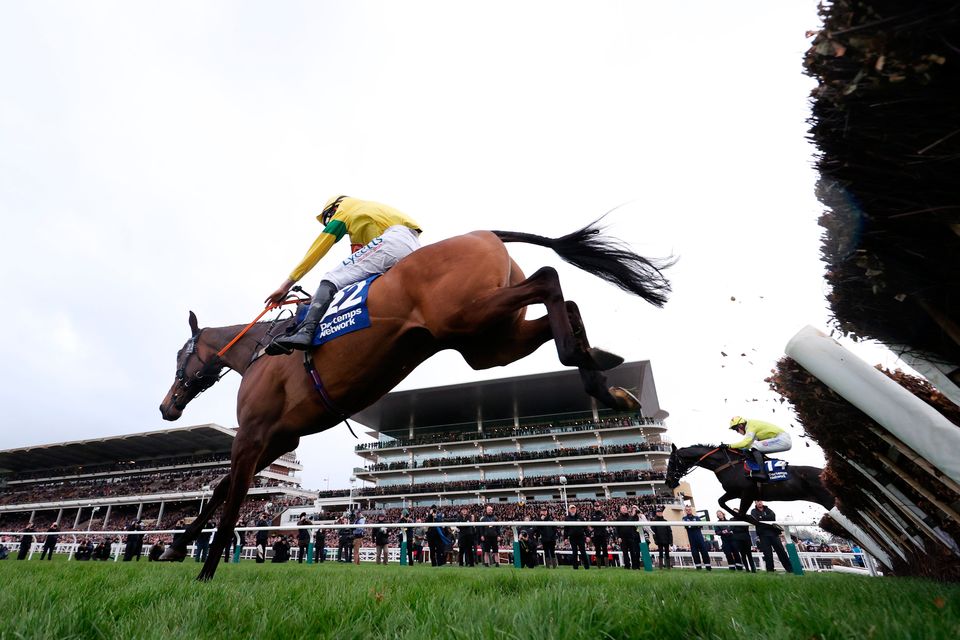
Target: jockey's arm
x,y
748,439
335,230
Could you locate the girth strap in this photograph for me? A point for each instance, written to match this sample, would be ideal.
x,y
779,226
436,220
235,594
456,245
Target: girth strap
x,y
324,396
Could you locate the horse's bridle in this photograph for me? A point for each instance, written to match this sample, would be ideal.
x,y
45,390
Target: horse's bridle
x,y
206,376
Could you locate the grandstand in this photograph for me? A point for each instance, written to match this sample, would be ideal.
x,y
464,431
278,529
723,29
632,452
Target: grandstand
x,y
513,441
160,477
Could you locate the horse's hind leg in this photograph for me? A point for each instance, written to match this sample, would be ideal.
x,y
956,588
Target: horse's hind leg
x,y
543,287
594,382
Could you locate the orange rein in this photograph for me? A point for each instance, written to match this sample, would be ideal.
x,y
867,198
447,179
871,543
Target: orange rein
x,y
269,307
706,455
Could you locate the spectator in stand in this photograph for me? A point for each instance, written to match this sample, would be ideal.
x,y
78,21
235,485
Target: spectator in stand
x,y
262,537
490,538
381,538
547,537
663,538
729,548
601,536
768,537
50,544
698,544
627,539
320,546
358,538
467,542
26,541
156,550
577,535
303,538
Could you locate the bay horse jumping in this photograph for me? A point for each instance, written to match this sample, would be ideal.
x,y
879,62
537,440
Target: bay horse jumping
x,y
803,484
465,293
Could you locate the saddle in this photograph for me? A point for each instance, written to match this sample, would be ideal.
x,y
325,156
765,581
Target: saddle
x,y
347,313
777,470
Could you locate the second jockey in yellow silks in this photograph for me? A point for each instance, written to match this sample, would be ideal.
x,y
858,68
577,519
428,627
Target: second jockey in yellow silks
x,y
765,438
380,236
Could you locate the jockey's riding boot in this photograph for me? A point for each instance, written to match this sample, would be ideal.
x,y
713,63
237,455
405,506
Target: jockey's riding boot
x,y
302,339
760,475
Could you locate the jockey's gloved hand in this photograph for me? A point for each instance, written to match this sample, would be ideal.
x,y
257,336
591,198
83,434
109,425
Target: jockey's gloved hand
x,y
280,294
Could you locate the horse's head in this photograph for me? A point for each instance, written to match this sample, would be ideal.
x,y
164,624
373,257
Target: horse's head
x,y
683,460
675,468
198,368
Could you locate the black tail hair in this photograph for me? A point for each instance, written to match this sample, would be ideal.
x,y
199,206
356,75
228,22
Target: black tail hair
x,y
607,258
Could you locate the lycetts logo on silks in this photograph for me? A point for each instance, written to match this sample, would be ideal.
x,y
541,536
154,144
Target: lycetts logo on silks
x,y
364,251
347,312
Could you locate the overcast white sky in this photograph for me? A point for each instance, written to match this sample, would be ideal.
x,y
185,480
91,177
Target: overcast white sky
x,y
157,157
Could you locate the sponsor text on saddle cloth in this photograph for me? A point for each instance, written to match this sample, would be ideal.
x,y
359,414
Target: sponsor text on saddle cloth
x,y
347,312
776,469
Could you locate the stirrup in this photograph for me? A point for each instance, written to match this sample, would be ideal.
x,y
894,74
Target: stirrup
x,y
276,349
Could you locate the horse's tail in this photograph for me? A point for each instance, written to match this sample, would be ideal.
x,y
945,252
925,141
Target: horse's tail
x,y
607,258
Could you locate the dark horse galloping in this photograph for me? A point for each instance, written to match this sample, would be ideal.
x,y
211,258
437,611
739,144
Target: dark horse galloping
x,y
804,482
464,293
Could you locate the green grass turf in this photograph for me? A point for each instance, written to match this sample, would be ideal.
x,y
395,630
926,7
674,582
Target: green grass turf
x,y
62,599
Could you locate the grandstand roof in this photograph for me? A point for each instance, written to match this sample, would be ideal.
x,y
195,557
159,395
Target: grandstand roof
x,y
542,394
198,439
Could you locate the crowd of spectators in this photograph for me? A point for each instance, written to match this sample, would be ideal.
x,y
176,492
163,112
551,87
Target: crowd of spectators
x,y
429,529
513,456
510,431
573,479
120,467
119,486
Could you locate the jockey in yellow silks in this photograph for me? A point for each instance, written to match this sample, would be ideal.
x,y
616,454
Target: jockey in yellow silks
x,y
765,438
380,236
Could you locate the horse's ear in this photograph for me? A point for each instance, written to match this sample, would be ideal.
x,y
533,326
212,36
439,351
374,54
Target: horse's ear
x,y
673,447
193,324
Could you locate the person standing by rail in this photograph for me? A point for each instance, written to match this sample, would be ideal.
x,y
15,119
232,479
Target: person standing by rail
x,y
547,537
663,538
698,544
768,538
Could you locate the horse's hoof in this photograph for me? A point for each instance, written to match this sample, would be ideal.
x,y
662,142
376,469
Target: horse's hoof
x,y
626,401
603,360
172,555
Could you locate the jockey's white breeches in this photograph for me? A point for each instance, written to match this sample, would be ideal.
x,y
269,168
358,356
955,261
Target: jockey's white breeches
x,y
378,255
779,442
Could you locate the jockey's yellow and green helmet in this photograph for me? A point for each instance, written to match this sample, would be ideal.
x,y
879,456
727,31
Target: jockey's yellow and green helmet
x,y
737,421
330,209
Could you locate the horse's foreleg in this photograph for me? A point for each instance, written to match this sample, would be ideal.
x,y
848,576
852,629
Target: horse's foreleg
x,y
242,469
722,501
178,548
